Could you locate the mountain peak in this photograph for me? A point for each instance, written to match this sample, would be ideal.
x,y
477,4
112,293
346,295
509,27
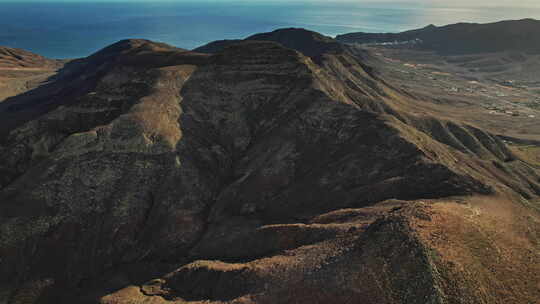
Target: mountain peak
x,y
307,42
264,52
123,47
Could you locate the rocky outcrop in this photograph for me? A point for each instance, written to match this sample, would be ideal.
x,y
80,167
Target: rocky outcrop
x,y
258,174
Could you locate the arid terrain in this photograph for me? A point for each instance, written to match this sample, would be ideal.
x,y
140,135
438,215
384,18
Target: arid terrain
x,y
21,71
288,167
499,92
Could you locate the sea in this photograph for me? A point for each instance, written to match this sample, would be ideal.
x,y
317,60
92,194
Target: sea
x,y
77,29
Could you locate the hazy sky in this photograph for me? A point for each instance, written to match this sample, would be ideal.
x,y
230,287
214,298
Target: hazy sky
x,y
453,3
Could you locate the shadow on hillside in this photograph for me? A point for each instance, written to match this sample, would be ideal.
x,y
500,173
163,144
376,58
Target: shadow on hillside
x,y
92,290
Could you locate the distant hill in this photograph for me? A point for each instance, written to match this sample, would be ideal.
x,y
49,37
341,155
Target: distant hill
x,y
462,38
17,58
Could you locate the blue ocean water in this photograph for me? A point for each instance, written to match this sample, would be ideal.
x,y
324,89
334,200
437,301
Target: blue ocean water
x,y
69,30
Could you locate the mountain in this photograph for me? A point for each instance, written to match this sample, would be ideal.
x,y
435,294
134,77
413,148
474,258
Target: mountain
x,y
462,38
309,43
279,169
216,46
17,58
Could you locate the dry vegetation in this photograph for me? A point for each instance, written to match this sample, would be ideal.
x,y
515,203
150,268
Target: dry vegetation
x,y
530,154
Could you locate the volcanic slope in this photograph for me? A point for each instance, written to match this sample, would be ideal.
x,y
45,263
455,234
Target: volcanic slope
x,y
150,174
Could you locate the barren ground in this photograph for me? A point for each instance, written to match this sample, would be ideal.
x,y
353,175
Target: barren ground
x,y
499,92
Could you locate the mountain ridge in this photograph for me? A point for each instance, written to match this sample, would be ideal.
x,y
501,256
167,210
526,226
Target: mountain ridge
x,y
309,43
461,38
257,174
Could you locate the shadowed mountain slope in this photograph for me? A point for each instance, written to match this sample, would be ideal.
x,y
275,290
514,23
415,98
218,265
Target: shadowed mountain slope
x,y
253,175
216,46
